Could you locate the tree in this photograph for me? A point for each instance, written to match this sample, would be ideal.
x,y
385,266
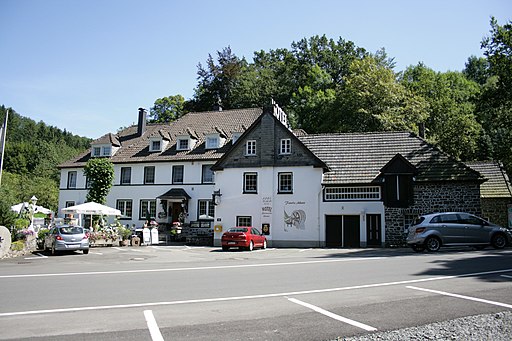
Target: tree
x,y
100,174
494,107
217,81
450,98
167,109
378,101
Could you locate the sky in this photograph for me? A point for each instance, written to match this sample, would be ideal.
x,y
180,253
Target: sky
x,y
86,66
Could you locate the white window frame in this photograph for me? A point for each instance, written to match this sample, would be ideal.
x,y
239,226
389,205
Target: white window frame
x,y
150,204
72,177
250,148
204,170
212,142
122,205
180,144
205,207
106,151
121,178
96,151
347,193
246,182
153,147
146,170
243,221
283,179
285,147
174,180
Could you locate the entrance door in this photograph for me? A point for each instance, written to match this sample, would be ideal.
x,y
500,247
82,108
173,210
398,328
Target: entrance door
x,y
342,231
373,230
333,229
176,210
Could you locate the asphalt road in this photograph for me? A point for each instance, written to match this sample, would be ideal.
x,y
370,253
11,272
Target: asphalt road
x,y
202,293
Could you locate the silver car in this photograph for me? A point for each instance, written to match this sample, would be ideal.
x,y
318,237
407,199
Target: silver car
x,y
431,231
67,238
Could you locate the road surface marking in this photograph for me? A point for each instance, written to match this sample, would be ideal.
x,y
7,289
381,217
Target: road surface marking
x,y
463,297
506,276
191,269
334,316
152,326
238,298
39,256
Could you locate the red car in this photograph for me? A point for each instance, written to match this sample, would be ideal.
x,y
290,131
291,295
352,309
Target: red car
x,y
243,237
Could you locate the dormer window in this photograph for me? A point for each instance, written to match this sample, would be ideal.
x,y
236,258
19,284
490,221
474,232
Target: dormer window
x,y
101,150
155,145
183,144
212,142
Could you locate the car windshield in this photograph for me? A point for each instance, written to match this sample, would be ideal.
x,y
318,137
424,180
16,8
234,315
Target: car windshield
x,y
71,230
238,229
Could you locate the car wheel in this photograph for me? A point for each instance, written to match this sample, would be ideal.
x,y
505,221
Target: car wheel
x,y
86,251
417,248
264,244
225,248
251,246
432,244
498,241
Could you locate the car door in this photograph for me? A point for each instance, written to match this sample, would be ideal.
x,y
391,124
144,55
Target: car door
x,y
447,227
257,237
475,228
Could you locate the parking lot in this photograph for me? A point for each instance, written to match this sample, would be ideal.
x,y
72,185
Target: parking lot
x,y
183,292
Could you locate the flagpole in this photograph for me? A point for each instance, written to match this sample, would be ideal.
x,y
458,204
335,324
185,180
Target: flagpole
x,y
2,145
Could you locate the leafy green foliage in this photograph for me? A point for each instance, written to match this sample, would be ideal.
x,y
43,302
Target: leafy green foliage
x,y
100,174
32,153
167,109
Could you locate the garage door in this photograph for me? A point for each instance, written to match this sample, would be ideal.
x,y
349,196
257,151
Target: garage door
x,y
342,231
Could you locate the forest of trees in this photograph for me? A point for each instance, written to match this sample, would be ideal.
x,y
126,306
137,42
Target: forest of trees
x,y
324,85
328,85
32,153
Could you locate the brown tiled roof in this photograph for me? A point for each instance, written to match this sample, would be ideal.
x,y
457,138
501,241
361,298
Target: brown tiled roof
x,y
497,184
107,139
135,148
358,157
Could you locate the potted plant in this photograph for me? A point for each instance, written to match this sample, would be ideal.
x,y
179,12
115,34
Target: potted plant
x,y
125,234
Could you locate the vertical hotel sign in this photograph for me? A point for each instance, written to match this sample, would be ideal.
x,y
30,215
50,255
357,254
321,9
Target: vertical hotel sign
x,y
266,214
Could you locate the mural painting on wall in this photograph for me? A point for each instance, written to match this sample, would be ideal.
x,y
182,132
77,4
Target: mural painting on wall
x,y
294,216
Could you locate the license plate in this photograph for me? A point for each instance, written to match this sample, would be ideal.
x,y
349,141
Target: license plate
x,y
232,243
73,246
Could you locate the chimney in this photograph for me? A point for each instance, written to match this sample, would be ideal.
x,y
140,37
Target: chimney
x,y
421,130
141,126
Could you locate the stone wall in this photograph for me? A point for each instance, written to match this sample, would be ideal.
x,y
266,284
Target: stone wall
x,y
496,210
429,198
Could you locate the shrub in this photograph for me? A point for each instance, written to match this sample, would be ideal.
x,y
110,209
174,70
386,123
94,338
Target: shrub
x,y
18,245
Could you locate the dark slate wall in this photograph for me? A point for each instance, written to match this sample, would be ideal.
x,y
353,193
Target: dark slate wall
x,y
496,210
429,198
268,135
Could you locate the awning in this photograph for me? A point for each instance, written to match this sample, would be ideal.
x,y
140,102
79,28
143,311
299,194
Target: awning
x,y
175,193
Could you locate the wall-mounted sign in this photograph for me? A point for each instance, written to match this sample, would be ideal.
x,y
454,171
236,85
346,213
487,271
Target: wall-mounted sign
x,y
265,229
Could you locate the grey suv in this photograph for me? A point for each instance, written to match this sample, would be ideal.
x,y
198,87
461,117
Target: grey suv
x,y
431,231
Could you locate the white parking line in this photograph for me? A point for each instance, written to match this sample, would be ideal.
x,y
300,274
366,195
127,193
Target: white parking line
x,y
152,326
463,297
332,315
39,256
195,269
506,276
